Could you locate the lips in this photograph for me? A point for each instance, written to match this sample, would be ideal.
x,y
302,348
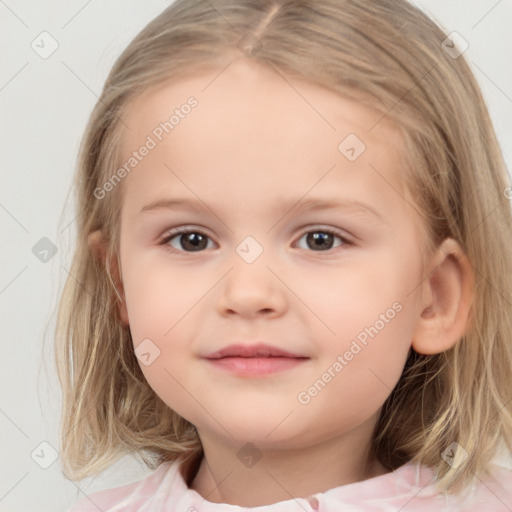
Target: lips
x,y
256,360
253,350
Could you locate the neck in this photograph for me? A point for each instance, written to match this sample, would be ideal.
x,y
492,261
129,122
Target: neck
x,y
224,476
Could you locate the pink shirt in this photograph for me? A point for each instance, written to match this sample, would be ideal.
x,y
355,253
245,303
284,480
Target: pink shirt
x,y
408,488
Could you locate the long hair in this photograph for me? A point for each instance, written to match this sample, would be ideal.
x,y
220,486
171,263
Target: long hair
x,y
387,54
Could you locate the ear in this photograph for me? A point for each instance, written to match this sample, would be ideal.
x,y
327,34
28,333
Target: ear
x,y
98,246
447,296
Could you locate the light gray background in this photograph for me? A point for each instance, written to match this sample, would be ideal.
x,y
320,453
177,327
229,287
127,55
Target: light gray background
x,y
45,105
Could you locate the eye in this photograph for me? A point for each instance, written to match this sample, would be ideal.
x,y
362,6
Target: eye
x,y
187,240
322,239
190,240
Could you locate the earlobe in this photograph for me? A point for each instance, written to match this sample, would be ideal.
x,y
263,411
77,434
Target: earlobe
x,y
447,299
98,246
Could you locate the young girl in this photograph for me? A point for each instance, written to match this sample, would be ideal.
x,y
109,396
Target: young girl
x,y
293,277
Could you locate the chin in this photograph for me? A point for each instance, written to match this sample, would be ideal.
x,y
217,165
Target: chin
x,y
267,434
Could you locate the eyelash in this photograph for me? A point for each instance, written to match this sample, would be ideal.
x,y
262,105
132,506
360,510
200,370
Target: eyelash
x,y
180,231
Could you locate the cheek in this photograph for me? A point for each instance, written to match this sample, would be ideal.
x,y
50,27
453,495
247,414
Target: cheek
x,y
371,314
364,286
161,303
159,306
349,300
358,373
158,296
374,348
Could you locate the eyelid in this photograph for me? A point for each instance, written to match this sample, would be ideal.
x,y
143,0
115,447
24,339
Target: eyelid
x,y
179,230
347,240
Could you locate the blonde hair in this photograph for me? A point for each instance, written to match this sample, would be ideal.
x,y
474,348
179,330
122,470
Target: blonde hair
x,y
388,54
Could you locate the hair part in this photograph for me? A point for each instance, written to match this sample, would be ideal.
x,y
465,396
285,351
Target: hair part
x,y
385,54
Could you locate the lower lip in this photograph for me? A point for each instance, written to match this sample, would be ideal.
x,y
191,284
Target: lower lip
x,y
257,366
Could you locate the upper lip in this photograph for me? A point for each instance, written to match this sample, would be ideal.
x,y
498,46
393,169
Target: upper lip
x,y
251,350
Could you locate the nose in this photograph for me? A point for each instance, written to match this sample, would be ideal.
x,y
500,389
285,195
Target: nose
x,y
251,290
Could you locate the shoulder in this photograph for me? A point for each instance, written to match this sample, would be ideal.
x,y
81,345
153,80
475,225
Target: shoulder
x,y
491,492
130,497
412,487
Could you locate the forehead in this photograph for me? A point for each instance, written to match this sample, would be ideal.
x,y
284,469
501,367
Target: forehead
x,y
254,121
240,87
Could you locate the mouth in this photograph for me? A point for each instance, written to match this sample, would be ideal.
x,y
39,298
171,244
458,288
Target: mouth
x,y
253,350
254,360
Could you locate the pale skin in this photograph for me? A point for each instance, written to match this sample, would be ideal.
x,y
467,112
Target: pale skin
x,y
250,150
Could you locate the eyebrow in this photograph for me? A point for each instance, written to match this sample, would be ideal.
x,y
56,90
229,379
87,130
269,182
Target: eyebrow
x,y
197,205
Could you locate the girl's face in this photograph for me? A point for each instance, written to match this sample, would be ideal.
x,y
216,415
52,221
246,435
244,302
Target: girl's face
x,y
299,237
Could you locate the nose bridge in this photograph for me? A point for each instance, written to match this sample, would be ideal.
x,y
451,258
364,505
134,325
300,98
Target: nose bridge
x,y
250,286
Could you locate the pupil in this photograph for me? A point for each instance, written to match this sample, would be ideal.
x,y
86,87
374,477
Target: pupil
x,y
193,240
323,240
